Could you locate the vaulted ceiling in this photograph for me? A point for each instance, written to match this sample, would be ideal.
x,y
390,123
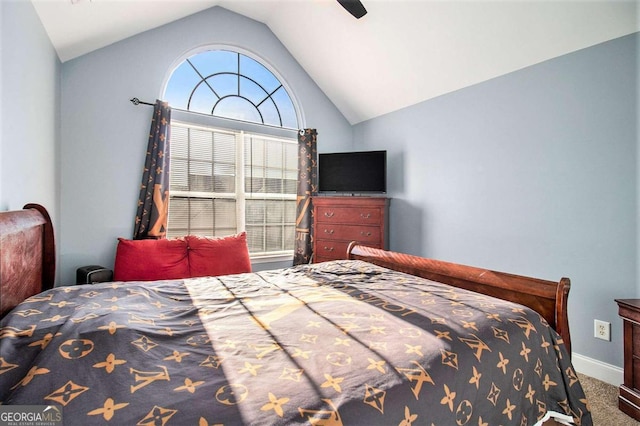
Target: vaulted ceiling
x,y
401,53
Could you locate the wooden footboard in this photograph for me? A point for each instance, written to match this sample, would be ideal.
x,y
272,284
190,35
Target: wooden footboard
x,y
27,255
548,298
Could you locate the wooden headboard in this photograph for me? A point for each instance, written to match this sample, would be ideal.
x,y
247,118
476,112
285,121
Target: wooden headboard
x,y
27,255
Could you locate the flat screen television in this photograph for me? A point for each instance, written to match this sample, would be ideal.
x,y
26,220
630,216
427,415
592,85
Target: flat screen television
x,y
352,172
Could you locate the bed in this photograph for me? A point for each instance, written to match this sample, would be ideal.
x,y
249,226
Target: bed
x,y
379,338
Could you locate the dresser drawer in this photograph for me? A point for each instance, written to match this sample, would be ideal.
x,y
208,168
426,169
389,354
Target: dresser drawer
x,y
362,234
333,250
330,250
356,215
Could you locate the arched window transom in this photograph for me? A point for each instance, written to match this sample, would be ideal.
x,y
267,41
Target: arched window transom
x,y
230,85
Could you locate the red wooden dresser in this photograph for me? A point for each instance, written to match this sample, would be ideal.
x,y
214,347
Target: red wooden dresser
x,y
340,220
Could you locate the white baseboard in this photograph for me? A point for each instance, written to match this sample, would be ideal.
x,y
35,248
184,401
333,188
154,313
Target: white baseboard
x,y
597,369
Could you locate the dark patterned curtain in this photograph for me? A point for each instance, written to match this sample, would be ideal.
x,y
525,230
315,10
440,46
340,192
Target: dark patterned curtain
x,y
153,203
307,187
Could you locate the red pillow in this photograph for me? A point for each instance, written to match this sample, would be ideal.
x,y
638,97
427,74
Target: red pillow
x,y
147,260
218,256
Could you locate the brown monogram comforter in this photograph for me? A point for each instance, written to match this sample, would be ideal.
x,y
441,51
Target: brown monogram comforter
x,y
337,343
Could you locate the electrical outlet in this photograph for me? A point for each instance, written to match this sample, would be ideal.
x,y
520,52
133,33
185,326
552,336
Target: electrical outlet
x,y
602,330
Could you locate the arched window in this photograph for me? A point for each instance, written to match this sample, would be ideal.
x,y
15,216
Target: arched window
x,y
233,152
231,85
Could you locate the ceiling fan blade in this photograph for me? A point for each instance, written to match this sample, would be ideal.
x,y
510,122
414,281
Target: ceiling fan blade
x,y
354,7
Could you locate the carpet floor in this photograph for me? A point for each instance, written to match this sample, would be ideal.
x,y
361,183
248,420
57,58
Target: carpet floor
x,y
603,403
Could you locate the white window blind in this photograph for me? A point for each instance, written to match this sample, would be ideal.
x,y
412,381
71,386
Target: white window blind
x,y
224,182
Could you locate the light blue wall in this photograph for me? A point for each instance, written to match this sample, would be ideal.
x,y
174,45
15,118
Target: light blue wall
x,y
104,137
29,113
532,173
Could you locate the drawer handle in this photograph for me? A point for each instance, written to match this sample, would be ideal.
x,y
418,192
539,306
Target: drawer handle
x,y
328,248
328,231
365,234
365,216
329,214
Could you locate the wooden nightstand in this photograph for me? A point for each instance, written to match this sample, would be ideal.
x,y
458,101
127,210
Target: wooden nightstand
x,y
629,397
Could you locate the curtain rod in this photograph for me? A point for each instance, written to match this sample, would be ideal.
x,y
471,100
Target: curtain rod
x,y
137,101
